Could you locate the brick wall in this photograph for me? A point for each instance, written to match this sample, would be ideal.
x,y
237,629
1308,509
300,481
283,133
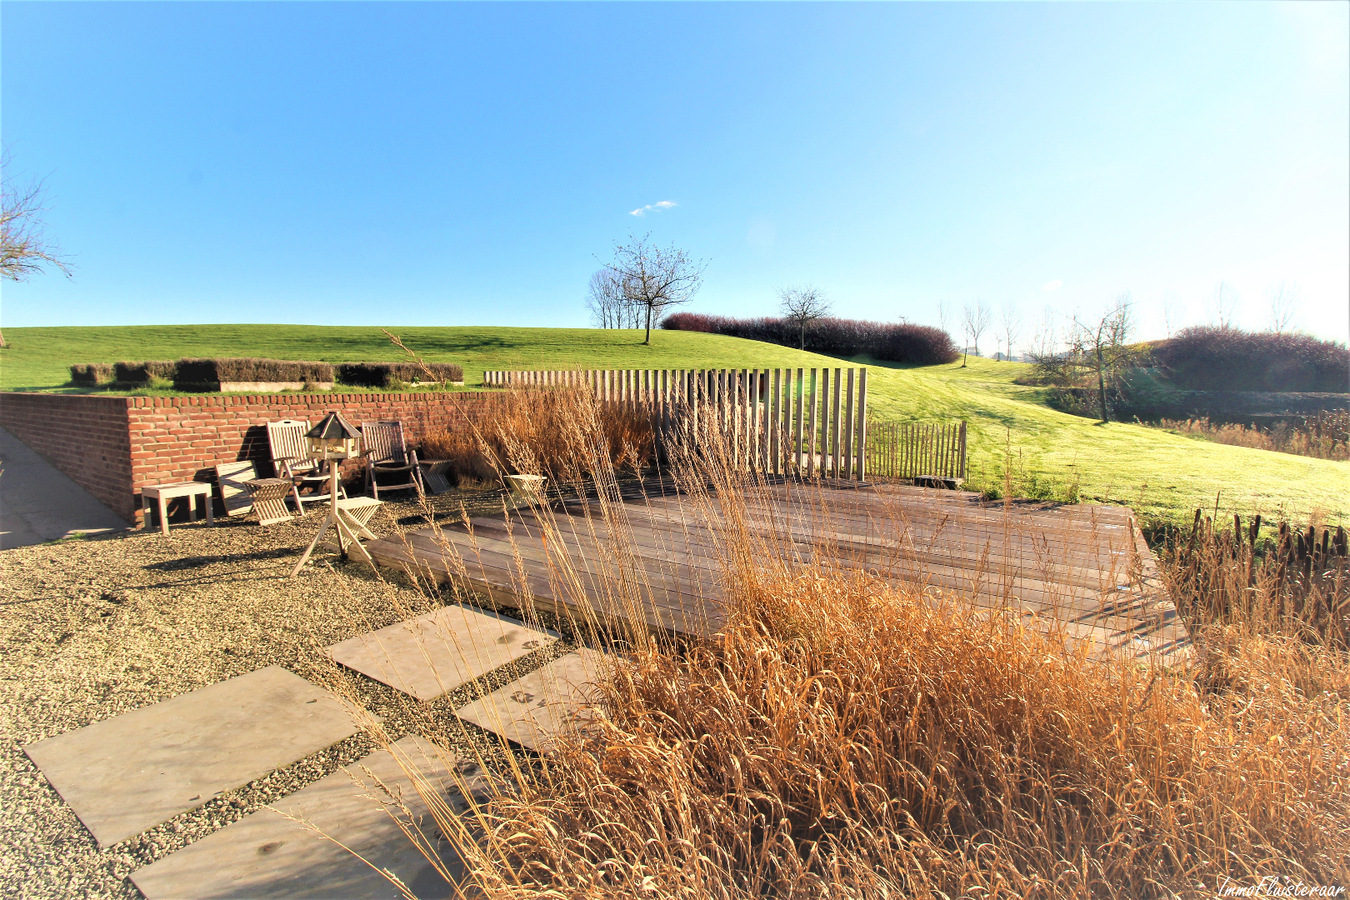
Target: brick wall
x,y
85,437
112,445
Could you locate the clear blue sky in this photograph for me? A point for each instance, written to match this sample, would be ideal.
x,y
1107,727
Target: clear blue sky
x,y
455,163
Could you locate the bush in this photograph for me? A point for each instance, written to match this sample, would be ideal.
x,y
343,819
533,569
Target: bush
x,y
390,375
902,343
196,374
1229,359
91,374
144,372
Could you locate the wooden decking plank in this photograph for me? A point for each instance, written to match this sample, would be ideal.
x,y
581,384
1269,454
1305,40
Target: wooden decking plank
x,y
929,540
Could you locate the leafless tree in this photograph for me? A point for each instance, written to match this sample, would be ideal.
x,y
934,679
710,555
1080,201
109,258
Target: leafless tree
x,y
1045,342
1171,312
802,306
1102,346
975,319
1010,324
944,315
1226,301
1285,299
654,278
24,248
606,302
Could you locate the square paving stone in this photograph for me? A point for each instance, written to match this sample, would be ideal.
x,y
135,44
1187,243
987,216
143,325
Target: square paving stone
x,y
553,700
267,855
131,772
435,653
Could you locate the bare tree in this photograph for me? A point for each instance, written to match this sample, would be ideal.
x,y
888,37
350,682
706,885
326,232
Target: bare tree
x,y
975,320
1045,342
1225,300
944,315
1285,299
605,301
1101,345
802,306
1171,312
1011,325
24,248
654,279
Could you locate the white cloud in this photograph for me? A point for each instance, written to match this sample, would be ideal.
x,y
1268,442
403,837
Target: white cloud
x,y
1052,285
660,204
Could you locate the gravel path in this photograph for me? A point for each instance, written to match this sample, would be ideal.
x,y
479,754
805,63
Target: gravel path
x,y
93,628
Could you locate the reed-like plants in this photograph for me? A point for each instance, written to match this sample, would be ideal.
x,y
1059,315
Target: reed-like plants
x,y
842,737
1323,436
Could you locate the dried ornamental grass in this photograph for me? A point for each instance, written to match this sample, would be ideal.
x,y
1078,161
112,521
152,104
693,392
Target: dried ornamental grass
x,y
845,738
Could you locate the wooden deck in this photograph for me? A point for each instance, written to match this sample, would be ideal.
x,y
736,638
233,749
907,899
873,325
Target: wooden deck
x,y
661,566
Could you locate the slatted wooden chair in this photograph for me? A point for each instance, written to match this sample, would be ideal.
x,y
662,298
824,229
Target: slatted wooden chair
x,y
290,456
388,456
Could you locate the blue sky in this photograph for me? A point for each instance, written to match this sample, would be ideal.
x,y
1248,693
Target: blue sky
x,y
456,164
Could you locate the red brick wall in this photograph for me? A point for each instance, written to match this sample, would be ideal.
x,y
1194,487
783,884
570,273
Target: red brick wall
x,y
151,440
85,437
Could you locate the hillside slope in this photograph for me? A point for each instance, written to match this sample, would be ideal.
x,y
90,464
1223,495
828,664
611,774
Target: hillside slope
x,y
1164,476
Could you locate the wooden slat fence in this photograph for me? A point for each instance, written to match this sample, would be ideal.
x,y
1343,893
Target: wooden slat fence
x,y
779,421
912,451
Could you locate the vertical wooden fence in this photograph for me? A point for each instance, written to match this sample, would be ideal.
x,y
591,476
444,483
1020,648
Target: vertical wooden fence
x,y
779,421
912,451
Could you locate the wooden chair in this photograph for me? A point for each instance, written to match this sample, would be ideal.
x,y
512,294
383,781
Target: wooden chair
x,y
232,479
290,456
387,455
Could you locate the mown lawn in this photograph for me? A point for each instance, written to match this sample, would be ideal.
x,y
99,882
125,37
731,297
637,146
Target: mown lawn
x,y
1053,455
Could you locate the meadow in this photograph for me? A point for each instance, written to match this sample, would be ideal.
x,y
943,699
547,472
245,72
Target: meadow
x,y
1017,442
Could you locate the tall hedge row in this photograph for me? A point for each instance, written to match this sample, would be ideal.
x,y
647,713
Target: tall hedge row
x,y
91,374
144,372
916,344
387,375
1209,358
193,374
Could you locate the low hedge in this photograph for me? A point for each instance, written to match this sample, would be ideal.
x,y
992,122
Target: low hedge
x,y
903,343
91,374
389,375
144,372
207,374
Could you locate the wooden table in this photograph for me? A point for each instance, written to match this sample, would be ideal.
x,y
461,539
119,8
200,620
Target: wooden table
x,y
163,493
434,473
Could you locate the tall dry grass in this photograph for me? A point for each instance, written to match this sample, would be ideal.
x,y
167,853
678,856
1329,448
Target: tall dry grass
x,y
842,737
1324,436
560,433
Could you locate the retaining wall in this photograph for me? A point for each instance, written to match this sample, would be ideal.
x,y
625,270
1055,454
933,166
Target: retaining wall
x,y
111,446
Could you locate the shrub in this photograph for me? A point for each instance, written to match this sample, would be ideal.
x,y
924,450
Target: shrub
x,y
91,374
144,372
196,374
902,343
1229,359
390,375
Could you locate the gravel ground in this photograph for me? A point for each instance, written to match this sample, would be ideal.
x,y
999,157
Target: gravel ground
x,y
93,628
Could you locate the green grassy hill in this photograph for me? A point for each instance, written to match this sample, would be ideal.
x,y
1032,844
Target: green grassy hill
x,y
1164,476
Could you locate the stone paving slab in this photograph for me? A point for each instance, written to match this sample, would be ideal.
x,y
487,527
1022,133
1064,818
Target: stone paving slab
x,y
267,855
40,503
437,652
550,701
134,771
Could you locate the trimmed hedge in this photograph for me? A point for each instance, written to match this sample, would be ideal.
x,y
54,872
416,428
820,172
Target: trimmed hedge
x,y
144,372
196,374
91,374
388,375
916,344
1207,358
